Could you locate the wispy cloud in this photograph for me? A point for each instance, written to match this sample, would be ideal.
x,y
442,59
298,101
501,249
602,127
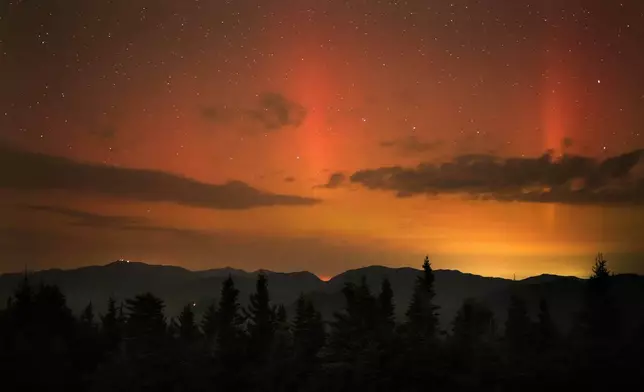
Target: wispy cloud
x,y
272,112
23,170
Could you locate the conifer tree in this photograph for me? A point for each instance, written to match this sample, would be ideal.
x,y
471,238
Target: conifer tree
x,y
87,316
228,320
188,330
353,329
280,314
473,324
546,329
517,326
145,318
261,319
209,323
308,329
281,325
422,315
112,325
386,306
599,316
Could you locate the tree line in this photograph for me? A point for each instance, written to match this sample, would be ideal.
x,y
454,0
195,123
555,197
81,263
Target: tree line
x,y
134,347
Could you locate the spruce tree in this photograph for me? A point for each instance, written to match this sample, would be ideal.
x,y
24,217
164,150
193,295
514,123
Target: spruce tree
x,y
112,325
300,324
599,316
229,320
357,322
261,319
386,306
188,330
473,324
209,322
422,315
546,329
280,314
308,329
282,330
87,316
517,326
145,318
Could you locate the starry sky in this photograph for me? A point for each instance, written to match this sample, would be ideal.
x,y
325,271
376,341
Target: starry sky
x,y
501,138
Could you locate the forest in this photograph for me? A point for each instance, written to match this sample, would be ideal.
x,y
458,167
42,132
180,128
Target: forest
x,y
133,346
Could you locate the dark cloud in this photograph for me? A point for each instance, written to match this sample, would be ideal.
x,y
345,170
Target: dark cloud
x,y
569,179
411,145
118,222
276,111
335,181
222,114
24,170
82,218
272,112
289,179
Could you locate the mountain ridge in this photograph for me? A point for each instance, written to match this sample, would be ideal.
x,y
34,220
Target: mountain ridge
x,y
178,286
238,271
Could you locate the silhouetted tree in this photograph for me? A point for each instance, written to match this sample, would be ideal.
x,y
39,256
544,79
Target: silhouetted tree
x,y
599,317
87,316
230,340
474,363
308,329
188,330
386,306
518,342
353,344
280,314
280,369
229,321
112,325
39,342
146,325
357,323
546,329
518,327
261,319
209,322
90,348
422,315
597,330
149,359
474,323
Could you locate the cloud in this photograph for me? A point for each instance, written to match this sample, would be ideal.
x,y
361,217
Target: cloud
x,y
82,218
272,112
570,179
289,179
411,145
22,170
221,115
276,111
99,221
335,181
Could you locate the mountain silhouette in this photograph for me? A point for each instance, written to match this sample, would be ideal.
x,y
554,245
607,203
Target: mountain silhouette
x,y
178,286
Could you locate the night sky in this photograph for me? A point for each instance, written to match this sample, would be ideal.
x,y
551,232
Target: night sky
x,y
499,137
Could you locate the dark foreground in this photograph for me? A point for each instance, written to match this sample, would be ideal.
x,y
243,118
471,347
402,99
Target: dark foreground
x,y
132,347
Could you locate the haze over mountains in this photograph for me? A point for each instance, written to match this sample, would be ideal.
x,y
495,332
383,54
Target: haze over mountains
x,y
178,286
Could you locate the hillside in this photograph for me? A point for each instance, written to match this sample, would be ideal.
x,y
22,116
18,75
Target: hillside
x,y
179,286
